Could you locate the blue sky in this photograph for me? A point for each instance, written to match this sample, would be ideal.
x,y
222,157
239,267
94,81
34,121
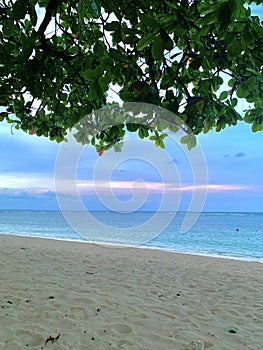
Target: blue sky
x,y
234,164
233,156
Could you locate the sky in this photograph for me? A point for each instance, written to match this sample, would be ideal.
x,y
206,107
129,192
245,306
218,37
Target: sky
x,y
225,174
234,166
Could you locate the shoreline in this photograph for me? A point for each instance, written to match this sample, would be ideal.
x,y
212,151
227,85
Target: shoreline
x,y
144,247
67,295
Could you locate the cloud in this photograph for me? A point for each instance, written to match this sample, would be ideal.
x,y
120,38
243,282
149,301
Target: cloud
x,y
126,187
227,187
27,181
240,155
237,155
28,200
7,193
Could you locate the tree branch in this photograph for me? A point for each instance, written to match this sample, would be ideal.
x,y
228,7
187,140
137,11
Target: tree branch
x,y
51,6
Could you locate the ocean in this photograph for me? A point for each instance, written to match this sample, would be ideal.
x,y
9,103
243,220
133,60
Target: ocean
x,y
226,235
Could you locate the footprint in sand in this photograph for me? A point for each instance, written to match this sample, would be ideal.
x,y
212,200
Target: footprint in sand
x,y
122,328
140,316
78,313
28,338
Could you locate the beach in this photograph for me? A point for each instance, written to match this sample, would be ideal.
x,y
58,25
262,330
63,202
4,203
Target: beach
x,y
71,295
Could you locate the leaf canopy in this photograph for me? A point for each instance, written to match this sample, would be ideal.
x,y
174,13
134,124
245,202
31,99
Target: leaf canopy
x,y
59,60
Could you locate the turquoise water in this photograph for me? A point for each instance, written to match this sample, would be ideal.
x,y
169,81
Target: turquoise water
x,y
233,235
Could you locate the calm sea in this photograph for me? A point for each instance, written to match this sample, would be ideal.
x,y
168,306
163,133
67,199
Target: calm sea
x,y
232,235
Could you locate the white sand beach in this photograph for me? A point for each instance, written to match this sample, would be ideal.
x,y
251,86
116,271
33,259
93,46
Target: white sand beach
x,y
68,295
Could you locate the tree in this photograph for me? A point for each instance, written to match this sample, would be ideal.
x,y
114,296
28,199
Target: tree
x,y
58,60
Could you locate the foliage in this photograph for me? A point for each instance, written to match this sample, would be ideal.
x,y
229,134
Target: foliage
x,y
58,60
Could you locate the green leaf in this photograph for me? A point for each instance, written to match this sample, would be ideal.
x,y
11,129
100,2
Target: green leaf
x,y
256,126
189,140
41,114
162,125
234,102
251,70
99,48
161,144
251,84
32,12
104,83
157,48
112,26
126,96
3,115
150,21
117,55
223,95
242,92
185,139
92,8
132,127
88,8
143,131
63,97
145,41
224,14
88,74
81,10
231,82
20,9
235,47
93,92
93,141
167,41
216,82
9,29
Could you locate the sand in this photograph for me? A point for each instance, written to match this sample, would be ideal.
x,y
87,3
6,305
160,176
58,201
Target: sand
x,y
66,295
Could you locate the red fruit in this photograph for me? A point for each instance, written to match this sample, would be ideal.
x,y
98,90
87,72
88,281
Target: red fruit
x,y
32,131
101,151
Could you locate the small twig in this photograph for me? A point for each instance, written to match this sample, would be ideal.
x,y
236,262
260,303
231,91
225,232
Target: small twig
x,y
52,339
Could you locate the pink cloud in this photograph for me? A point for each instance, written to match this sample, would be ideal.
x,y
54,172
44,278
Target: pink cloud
x,y
154,187
35,184
227,187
